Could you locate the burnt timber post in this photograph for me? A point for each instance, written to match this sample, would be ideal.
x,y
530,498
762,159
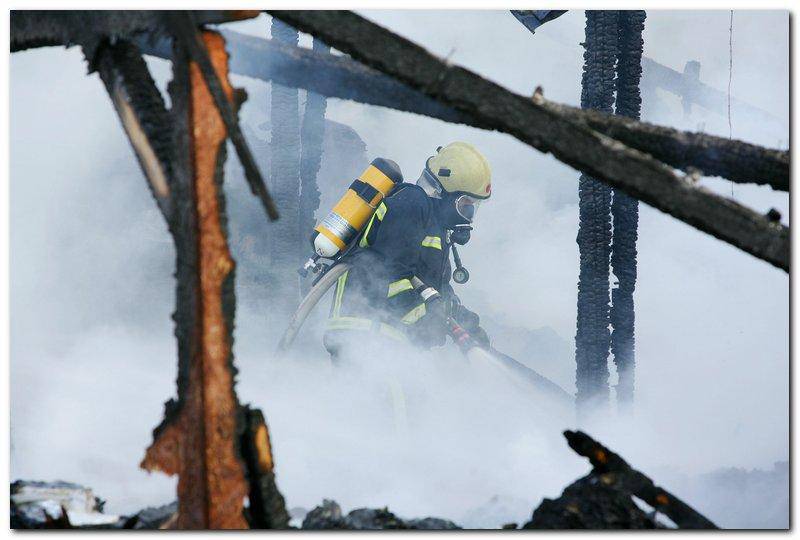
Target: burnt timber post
x,y
592,337
625,213
197,440
285,183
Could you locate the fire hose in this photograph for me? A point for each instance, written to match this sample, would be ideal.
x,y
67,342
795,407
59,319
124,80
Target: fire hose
x,y
311,299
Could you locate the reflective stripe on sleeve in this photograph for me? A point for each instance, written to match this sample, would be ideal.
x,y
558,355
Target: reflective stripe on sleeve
x,y
363,242
379,213
348,323
414,315
432,242
364,325
401,285
337,301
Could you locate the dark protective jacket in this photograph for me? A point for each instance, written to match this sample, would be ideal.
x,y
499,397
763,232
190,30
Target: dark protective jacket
x,y
404,238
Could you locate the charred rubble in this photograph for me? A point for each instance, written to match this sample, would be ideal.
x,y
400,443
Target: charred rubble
x,y
605,498
329,516
64,505
611,496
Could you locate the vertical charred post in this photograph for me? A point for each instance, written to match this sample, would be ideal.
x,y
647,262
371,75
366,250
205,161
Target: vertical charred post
x,y
311,136
625,211
285,184
198,438
594,232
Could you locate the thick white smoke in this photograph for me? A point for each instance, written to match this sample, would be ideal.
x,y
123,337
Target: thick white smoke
x,y
93,356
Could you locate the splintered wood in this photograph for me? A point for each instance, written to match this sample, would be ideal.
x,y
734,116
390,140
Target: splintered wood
x,y
200,445
614,471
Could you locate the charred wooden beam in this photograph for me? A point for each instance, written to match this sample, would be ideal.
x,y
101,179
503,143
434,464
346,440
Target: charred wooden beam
x,y
141,111
615,470
589,503
735,160
184,26
340,77
47,28
494,107
286,242
198,439
592,335
319,72
625,212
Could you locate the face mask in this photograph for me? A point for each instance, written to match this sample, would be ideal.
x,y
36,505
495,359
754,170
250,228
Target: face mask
x,y
460,234
457,209
467,206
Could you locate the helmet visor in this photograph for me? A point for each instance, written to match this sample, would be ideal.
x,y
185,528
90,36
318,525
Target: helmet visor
x,y
467,207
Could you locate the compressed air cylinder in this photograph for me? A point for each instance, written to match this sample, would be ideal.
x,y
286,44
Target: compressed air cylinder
x,y
352,212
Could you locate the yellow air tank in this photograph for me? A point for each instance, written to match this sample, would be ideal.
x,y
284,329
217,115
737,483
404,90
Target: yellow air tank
x,y
352,212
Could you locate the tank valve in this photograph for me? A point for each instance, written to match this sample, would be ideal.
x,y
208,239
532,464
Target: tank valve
x,y
311,264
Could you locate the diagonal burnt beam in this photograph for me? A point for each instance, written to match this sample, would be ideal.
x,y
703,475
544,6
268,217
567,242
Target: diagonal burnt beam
x,y
735,160
341,77
602,157
142,112
615,471
198,439
47,28
184,26
319,72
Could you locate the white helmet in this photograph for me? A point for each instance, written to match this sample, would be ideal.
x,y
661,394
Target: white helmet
x,y
460,168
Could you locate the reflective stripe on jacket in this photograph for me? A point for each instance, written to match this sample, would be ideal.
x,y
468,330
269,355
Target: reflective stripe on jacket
x,y
402,239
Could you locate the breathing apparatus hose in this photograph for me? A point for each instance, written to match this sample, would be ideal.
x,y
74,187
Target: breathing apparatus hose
x,y
309,302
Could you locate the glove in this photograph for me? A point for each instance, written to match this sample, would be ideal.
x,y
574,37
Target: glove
x,y
434,330
437,309
471,322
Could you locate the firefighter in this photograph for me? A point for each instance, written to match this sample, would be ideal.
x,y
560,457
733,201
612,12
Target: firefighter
x,y
398,287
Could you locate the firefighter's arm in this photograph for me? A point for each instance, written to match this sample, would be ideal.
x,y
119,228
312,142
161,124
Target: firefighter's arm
x,y
397,244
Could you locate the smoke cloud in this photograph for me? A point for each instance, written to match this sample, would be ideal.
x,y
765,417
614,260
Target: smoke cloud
x,y
93,357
